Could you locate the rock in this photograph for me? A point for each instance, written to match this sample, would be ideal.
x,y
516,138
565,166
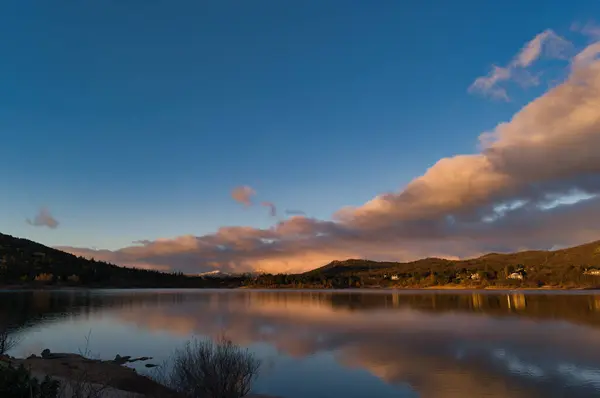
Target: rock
x,y
151,365
140,359
46,354
119,360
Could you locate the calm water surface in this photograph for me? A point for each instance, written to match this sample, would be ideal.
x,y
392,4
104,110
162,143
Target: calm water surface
x,y
345,344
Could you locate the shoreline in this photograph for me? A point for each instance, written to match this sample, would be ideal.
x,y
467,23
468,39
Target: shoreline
x,y
75,371
100,378
9,288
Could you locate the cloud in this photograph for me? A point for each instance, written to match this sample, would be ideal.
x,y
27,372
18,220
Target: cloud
x,y
590,30
272,208
488,85
43,219
547,44
509,196
141,242
243,195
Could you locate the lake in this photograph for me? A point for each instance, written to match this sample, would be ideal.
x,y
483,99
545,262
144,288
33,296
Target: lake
x,y
347,344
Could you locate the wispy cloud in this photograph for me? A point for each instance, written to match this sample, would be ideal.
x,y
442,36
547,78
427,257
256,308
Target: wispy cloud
x,y
243,195
489,84
272,208
43,219
589,29
547,44
142,242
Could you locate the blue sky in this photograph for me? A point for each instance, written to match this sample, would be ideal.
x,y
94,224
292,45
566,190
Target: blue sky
x,y
135,119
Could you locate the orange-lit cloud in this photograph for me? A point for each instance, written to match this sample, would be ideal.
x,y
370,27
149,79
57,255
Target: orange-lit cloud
x,y
465,205
243,195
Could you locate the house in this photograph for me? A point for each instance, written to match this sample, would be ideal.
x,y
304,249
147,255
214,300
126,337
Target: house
x,y
395,277
592,271
516,275
475,277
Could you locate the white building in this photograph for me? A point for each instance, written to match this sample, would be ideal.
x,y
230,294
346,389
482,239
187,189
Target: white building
x,y
515,275
595,272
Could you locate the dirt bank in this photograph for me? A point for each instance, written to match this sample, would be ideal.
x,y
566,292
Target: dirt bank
x,y
75,369
111,378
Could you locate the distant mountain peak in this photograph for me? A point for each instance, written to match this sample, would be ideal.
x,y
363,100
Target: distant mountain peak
x,y
214,274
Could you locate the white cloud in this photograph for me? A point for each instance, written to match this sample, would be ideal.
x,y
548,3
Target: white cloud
x,y
547,44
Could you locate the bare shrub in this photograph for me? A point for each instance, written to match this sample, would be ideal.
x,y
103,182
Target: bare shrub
x,y
7,342
211,369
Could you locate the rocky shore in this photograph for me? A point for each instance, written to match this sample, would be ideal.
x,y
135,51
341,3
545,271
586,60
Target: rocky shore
x,y
105,378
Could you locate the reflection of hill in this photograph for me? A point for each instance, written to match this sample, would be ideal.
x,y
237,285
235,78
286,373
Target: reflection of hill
x,y
27,308
23,309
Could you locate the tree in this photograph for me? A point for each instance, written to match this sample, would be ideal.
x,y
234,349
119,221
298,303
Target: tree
x,y
44,278
19,383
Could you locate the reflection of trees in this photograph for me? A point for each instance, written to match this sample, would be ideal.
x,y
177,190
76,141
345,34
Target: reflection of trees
x,y
27,308
516,301
578,308
24,309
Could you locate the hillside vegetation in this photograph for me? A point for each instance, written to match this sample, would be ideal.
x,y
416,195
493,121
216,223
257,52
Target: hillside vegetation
x,y
27,263
568,268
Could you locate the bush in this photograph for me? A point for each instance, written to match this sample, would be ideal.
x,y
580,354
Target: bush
x,y
211,369
7,342
18,383
46,278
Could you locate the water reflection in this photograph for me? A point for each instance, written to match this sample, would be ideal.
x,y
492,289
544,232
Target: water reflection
x,y
499,344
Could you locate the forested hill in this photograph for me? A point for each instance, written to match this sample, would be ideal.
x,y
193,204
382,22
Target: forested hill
x,y
583,256
27,263
568,268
